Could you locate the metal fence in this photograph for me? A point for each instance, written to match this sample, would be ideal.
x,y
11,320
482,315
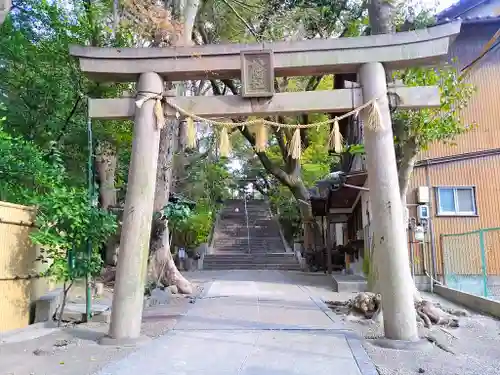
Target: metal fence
x,y
471,262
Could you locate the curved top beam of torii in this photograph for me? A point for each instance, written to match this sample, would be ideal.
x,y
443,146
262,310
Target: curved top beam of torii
x,y
310,57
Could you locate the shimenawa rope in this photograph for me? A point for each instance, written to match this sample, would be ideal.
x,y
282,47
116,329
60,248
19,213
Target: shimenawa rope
x,y
260,125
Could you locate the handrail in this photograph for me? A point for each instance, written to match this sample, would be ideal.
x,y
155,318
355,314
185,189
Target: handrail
x,y
246,218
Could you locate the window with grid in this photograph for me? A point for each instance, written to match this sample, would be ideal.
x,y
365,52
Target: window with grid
x,y
460,200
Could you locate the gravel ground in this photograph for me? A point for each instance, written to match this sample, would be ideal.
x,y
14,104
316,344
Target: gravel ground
x,y
476,345
74,350
476,348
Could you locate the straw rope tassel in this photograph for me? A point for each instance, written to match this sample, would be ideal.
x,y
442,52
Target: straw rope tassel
x,y
374,117
224,144
190,133
335,140
295,148
158,108
260,137
160,118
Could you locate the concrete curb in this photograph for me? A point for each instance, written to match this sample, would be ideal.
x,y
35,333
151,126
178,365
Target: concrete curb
x,y
354,340
364,362
475,303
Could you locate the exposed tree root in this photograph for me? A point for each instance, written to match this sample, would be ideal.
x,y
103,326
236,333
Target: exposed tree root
x,y
369,306
162,268
366,307
165,272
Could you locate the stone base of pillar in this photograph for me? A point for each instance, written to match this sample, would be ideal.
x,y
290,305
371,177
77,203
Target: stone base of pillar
x,y
419,345
124,342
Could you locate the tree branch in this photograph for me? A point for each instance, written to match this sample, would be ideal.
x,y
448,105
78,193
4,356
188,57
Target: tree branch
x,y
268,165
281,143
247,25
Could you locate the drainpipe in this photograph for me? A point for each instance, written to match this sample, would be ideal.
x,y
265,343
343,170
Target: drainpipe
x,y
431,226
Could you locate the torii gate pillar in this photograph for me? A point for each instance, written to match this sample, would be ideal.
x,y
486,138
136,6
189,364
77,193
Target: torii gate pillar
x,y
131,270
391,255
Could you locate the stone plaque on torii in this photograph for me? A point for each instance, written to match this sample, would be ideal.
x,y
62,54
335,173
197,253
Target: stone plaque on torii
x,y
257,74
368,56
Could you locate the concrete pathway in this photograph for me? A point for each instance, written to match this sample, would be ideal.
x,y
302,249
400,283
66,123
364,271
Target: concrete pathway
x,y
252,323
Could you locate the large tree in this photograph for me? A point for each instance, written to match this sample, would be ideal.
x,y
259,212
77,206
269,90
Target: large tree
x,y
171,25
273,22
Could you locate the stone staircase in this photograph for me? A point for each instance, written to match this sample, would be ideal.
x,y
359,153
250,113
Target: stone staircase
x,y
258,247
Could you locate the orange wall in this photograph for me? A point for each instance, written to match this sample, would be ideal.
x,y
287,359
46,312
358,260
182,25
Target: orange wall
x,y
483,109
484,174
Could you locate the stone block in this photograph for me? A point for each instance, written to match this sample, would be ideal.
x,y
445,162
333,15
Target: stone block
x,y
158,297
349,283
47,305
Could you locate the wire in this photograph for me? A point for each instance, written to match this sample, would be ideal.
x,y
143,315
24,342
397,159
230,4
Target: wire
x,y
487,48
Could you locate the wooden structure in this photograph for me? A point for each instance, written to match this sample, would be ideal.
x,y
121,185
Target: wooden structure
x,y
256,65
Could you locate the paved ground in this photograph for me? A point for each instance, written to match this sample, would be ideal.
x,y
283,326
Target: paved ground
x,y
74,350
249,323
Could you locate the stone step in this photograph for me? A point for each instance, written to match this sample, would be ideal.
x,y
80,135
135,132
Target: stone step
x,y
243,232
232,249
220,243
236,264
244,250
251,266
249,257
249,260
244,241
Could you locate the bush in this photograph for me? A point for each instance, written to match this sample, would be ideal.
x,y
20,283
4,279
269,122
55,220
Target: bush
x,y
66,222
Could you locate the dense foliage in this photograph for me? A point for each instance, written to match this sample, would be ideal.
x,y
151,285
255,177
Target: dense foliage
x,y
66,224
192,216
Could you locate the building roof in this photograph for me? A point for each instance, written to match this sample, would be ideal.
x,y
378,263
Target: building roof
x,y
457,11
459,8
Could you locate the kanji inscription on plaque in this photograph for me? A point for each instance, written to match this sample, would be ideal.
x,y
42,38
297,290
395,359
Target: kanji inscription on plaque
x,y
257,74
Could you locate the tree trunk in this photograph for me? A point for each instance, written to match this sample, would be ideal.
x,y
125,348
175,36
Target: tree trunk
x,y
406,165
381,14
5,6
409,153
106,162
162,265
311,230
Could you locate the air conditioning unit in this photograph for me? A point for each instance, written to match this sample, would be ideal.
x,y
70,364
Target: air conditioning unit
x,y
423,195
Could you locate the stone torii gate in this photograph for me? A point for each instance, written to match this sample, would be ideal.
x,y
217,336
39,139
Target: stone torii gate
x,y
368,56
